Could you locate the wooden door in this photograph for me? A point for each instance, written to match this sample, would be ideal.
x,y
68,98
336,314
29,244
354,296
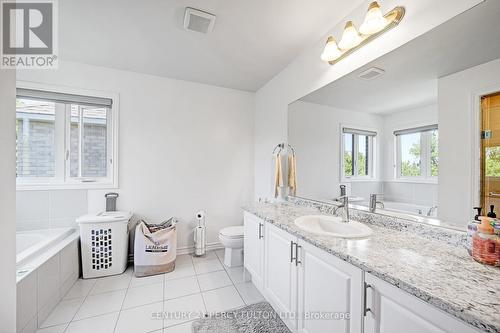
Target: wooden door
x,y
490,152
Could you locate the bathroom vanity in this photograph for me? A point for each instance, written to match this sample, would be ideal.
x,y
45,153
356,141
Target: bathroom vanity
x,y
403,145
404,277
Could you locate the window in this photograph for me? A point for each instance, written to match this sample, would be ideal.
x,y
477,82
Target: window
x,y
88,141
417,153
35,128
64,140
357,153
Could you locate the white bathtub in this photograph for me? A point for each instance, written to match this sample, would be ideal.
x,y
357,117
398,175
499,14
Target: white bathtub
x,y
30,244
47,266
402,207
405,208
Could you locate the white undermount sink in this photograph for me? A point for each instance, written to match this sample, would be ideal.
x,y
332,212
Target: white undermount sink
x,y
332,226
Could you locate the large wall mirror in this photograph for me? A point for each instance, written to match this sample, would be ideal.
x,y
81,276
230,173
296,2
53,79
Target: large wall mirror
x,y
374,134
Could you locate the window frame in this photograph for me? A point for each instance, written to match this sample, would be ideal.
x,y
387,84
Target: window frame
x,y
58,159
62,179
372,149
425,154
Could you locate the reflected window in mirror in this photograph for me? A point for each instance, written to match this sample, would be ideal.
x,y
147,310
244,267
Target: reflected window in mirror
x,y
434,153
357,153
417,155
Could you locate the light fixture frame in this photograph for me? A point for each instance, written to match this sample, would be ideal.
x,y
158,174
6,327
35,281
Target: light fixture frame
x,y
394,17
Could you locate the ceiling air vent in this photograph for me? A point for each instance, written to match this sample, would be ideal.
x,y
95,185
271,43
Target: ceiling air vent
x,y
198,20
371,73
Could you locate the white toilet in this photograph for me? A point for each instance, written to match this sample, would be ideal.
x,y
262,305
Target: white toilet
x,y
232,239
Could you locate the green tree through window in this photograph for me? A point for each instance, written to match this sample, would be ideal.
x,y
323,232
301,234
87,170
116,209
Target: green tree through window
x,y
410,154
434,153
347,164
357,155
492,161
411,157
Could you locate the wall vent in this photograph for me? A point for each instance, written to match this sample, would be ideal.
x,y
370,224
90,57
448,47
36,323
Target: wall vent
x,y
198,20
371,73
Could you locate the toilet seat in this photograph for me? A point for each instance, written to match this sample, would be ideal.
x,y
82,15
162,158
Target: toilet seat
x,y
232,232
232,239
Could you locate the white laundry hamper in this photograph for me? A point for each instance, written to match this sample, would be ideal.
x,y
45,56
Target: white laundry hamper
x,y
104,243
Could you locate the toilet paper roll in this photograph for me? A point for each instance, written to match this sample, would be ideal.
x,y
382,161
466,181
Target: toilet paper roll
x,y
199,241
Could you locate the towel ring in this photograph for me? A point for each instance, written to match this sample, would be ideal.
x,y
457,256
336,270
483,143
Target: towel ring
x,y
282,146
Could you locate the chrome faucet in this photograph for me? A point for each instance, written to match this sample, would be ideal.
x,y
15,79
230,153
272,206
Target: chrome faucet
x,y
374,202
345,208
431,210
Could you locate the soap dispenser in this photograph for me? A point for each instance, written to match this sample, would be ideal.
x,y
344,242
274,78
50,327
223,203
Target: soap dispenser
x,y
478,209
472,229
485,247
492,213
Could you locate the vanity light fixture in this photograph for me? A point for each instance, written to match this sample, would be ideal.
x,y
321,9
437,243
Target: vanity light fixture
x,y
350,37
331,51
374,20
374,25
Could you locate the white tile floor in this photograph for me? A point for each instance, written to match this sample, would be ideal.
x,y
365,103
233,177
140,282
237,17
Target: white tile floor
x,y
124,303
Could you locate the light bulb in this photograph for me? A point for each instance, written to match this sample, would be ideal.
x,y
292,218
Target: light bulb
x,y
331,50
350,37
374,20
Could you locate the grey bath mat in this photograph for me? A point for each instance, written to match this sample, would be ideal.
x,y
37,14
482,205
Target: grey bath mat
x,y
255,318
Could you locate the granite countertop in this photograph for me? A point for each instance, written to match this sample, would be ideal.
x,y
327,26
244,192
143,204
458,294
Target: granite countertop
x,y
435,271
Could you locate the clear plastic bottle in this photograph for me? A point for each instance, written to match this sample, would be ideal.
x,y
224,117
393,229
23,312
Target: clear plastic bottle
x,y
471,231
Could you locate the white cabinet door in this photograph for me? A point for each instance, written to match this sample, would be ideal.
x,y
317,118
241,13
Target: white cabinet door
x,y
394,311
329,293
253,248
280,273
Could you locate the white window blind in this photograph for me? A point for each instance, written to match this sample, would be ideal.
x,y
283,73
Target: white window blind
x,y
57,97
358,131
419,129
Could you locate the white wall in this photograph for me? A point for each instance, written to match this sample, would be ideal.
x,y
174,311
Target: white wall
x,y
308,73
7,200
457,194
183,147
314,132
49,209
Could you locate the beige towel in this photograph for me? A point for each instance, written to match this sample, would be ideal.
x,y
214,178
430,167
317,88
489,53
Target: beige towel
x,y
278,175
292,174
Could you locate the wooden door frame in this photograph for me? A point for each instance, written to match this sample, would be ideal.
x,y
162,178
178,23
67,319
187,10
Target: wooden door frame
x,y
475,195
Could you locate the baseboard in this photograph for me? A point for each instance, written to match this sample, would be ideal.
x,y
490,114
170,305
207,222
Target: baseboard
x,y
188,250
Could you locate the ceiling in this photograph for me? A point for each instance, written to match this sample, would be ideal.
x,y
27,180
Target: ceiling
x,y
412,70
252,40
